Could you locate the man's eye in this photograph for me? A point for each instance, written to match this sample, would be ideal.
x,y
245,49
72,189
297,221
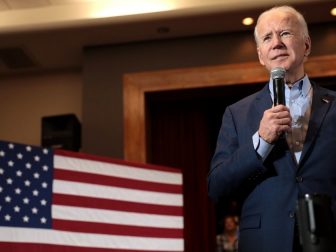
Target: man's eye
x,y
285,34
267,38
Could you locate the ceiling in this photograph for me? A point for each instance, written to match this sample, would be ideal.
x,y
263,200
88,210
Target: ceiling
x,y
40,35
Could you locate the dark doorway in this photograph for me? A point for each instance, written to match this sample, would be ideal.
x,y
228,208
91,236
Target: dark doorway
x,y
182,132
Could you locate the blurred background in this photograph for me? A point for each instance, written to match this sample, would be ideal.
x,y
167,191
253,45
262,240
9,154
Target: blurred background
x,y
70,57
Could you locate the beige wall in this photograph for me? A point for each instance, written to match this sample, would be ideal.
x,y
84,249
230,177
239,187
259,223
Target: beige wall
x,y
24,100
103,78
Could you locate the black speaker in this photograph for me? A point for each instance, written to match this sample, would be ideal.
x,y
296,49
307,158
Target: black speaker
x,y
61,131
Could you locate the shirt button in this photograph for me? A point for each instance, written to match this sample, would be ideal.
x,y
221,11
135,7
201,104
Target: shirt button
x,y
299,179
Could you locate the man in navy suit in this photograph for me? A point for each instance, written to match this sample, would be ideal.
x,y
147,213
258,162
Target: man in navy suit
x,y
270,156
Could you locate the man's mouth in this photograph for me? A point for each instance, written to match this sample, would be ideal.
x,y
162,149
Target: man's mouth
x,y
280,56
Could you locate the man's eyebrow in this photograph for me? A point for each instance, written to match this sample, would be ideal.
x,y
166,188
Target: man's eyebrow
x,y
265,34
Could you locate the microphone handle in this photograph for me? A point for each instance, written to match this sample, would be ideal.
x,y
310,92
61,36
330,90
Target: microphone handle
x,y
279,95
279,91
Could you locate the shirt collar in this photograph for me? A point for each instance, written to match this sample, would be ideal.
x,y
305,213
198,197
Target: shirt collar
x,y
303,85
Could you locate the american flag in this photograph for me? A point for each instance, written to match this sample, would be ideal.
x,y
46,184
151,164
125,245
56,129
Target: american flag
x,y
65,201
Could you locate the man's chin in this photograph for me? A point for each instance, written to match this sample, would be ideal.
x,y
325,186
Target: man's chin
x,y
279,64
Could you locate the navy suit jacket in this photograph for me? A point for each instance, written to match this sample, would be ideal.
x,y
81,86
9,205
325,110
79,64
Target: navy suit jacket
x,y
270,189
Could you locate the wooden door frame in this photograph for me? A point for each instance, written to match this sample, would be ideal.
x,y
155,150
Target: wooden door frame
x,y
136,85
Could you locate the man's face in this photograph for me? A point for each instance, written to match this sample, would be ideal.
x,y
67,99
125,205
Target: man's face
x,y
281,43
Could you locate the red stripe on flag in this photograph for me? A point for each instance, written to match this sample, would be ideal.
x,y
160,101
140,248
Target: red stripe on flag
x,y
24,247
114,229
86,156
126,206
115,181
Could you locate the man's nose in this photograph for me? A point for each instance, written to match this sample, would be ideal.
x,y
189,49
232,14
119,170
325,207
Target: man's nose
x,y
277,42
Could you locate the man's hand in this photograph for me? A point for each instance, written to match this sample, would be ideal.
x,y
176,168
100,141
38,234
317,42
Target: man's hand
x,y
274,122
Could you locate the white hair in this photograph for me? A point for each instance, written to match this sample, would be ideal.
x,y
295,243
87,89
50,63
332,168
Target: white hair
x,y
288,9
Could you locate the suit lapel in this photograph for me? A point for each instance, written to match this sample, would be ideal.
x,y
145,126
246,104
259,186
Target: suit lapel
x,y
263,101
320,106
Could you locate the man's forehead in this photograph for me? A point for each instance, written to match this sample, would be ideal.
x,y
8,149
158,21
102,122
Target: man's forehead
x,y
280,20
277,16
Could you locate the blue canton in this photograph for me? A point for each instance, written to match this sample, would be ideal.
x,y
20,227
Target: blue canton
x,y
26,175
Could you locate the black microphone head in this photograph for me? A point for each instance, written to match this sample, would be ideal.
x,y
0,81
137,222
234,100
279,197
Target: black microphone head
x,y
278,78
278,73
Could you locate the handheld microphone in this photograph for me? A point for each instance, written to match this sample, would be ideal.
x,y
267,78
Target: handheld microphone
x,y
278,77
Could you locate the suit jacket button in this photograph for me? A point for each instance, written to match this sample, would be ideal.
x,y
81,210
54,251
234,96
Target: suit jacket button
x,y
299,179
291,214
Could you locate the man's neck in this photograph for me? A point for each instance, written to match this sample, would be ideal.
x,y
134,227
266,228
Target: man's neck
x,y
293,77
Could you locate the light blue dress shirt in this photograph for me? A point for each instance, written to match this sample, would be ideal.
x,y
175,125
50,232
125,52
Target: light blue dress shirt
x,y
299,101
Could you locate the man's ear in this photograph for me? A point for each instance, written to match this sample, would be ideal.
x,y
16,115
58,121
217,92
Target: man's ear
x,y
260,58
307,46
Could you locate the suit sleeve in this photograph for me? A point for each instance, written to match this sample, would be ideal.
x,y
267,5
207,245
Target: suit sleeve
x,y
235,161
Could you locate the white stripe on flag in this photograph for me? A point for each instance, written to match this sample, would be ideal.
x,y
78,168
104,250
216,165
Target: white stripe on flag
x,y
116,217
117,193
47,236
122,171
